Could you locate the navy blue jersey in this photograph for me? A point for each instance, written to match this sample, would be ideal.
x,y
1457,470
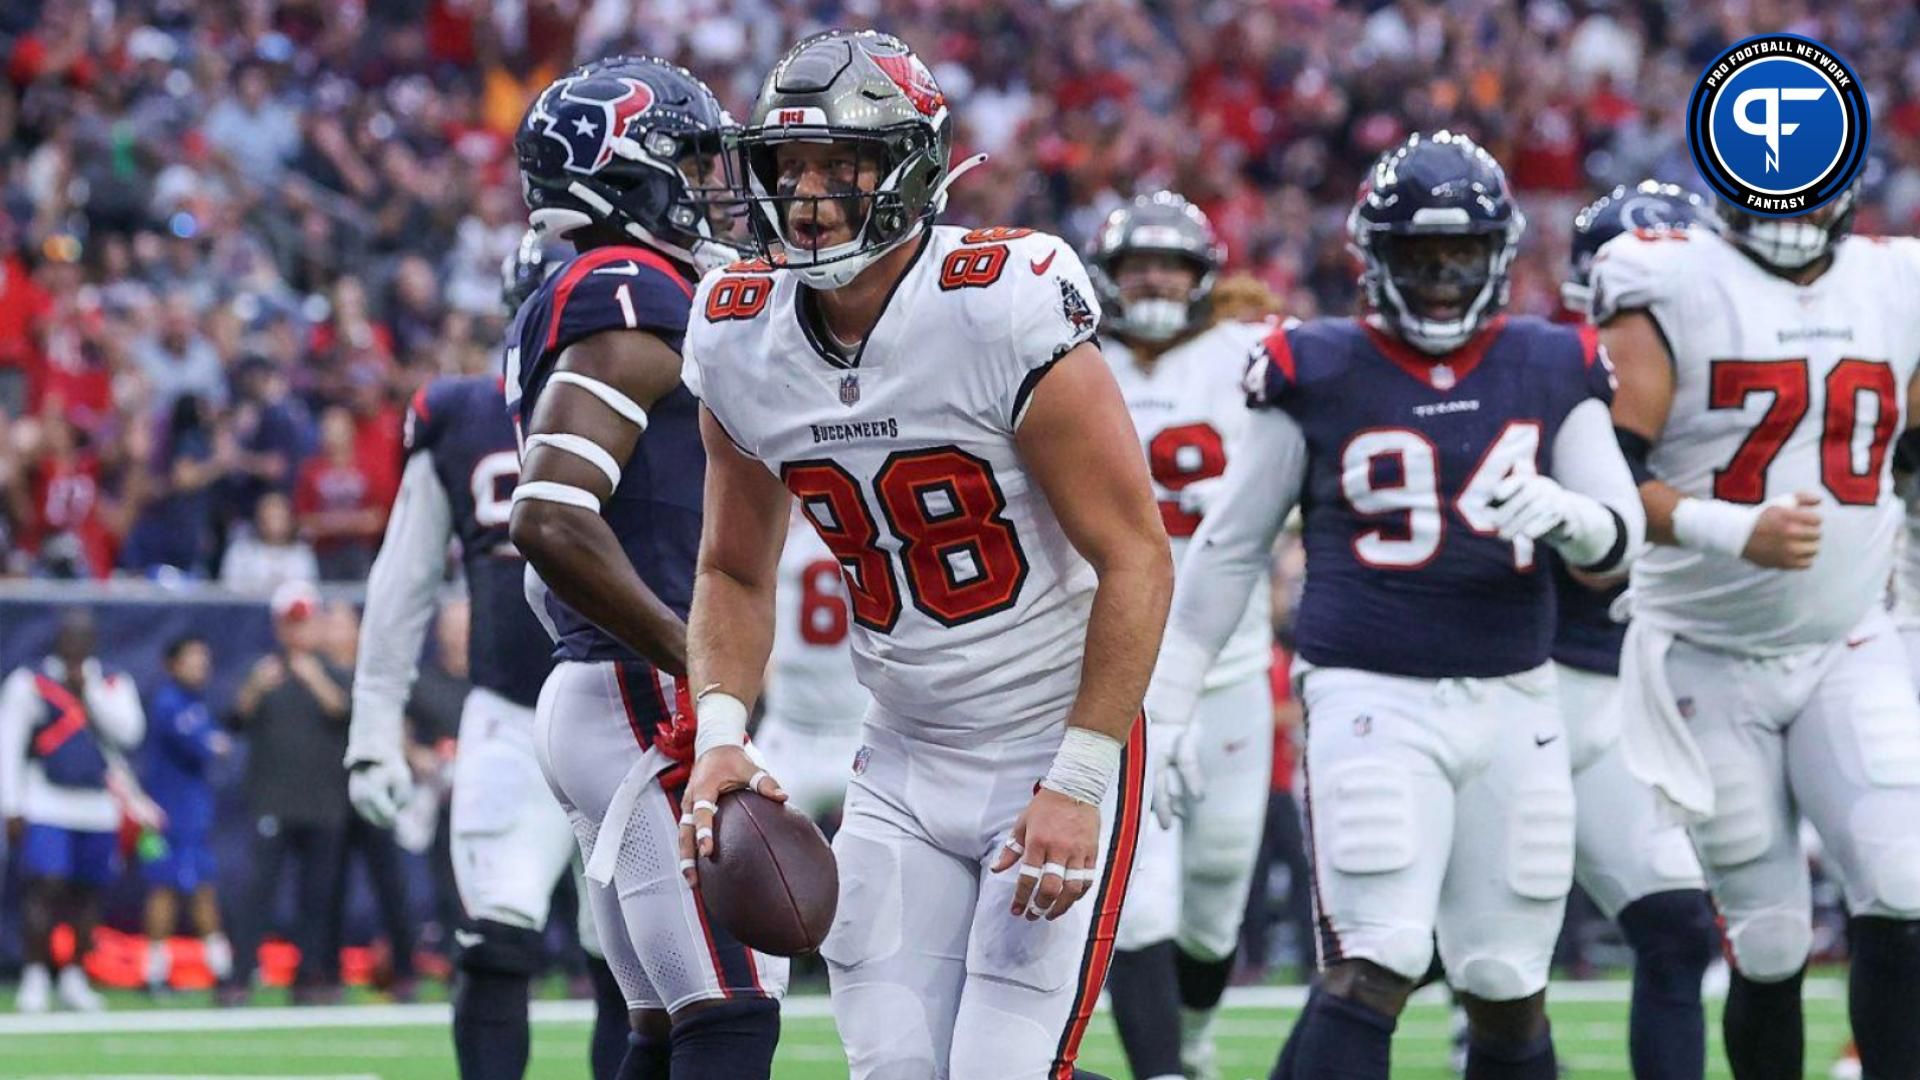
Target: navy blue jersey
x,y
462,424
1405,573
655,512
1585,635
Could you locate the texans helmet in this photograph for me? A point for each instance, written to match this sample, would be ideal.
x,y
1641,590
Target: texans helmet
x,y
634,144
531,264
1438,185
1649,204
867,90
1788,244
1163,223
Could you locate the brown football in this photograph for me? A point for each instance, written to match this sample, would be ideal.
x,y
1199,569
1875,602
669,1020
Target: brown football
x,y
772,881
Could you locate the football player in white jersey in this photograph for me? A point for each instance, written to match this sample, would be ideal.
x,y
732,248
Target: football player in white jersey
x,y
1153,266
1631,856
1763,376
813,703
933,398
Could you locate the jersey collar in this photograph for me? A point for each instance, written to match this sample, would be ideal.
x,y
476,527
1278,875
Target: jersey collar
x,y
1443,372
806,312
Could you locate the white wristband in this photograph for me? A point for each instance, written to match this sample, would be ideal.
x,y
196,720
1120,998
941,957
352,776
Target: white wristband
x,y
1083,767
1712,525
721,720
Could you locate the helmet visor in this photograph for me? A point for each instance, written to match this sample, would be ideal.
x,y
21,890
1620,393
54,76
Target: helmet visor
x,y
817,190
1439,276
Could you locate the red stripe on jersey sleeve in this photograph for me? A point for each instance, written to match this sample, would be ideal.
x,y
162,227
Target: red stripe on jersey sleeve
x,y
593,260
1280,352
1589,343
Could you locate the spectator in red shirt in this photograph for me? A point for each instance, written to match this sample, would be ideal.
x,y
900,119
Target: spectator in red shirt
x,y
23,304
338,502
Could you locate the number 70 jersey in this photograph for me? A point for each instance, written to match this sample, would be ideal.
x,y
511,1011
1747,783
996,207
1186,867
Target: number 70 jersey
x,y
969,604
1778,388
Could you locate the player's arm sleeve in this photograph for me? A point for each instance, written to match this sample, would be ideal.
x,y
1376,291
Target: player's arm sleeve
x,y
113,704
1587,461
16,709
1050,314
402,591
1227,557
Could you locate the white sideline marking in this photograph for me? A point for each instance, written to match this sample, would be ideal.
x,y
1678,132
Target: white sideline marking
x,y
804,1007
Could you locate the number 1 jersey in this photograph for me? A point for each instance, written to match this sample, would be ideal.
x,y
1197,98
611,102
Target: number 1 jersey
x,y
969,605
1778,388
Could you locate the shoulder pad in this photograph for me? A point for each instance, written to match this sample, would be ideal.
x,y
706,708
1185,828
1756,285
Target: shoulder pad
x,y
616,288
1632,271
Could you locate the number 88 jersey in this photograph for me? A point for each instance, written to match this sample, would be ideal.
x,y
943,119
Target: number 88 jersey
x,y
969,604
1778,388
1189,407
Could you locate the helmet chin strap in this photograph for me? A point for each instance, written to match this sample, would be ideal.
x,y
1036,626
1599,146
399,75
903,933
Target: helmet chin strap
x,y
940,193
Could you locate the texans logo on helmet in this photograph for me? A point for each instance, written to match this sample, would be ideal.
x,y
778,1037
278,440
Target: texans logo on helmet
x,y
585,115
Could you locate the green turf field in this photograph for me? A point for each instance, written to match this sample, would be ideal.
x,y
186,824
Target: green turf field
x,y
356,1044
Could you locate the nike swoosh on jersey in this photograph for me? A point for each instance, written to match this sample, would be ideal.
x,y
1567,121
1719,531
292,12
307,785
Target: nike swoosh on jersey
x,y
1041,266
625,269
1539,740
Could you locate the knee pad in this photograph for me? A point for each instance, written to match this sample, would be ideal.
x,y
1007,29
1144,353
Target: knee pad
x,y
1495,979
1367,811
1769,946
1406,952
498,949
1889,852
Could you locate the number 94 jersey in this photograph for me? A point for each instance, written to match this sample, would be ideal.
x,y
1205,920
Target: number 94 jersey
x,y
1189,407
969,605
1778,388
1406,573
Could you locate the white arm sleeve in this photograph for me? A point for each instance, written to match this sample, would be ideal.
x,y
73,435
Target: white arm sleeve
x,y
1587,461
16,708
403,590
113,704
1227,557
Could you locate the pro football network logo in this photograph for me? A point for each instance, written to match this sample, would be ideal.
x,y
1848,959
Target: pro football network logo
x,y
586,115
1778,125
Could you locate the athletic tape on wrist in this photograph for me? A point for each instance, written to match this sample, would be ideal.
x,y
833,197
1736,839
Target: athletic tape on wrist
x,y
1712,525
721,720
1084,766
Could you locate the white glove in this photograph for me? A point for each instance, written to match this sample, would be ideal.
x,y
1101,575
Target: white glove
x,y
1529,505
1579,527
379,788
1179,782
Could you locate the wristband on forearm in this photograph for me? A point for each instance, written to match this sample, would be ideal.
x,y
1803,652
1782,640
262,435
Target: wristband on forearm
x,y
1712,525
721,721
1084,766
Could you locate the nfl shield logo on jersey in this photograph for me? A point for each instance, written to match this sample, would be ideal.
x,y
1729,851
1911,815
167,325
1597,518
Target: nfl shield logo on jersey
x,y
850,390
860,759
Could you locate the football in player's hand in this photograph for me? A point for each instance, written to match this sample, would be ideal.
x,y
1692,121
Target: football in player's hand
x,y
772,881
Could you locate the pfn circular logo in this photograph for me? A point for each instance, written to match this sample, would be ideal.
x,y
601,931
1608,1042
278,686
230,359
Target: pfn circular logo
x,y
1778,125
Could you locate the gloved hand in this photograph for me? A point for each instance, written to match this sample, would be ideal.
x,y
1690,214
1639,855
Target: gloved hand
x,y
379,788
1178,783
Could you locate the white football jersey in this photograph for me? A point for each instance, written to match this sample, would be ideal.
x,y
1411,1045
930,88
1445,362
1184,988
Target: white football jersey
x,y
1778,388
810,681
969,605
1189,407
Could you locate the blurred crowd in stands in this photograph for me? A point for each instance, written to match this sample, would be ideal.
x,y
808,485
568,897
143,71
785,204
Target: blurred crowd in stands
x,y
235,235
